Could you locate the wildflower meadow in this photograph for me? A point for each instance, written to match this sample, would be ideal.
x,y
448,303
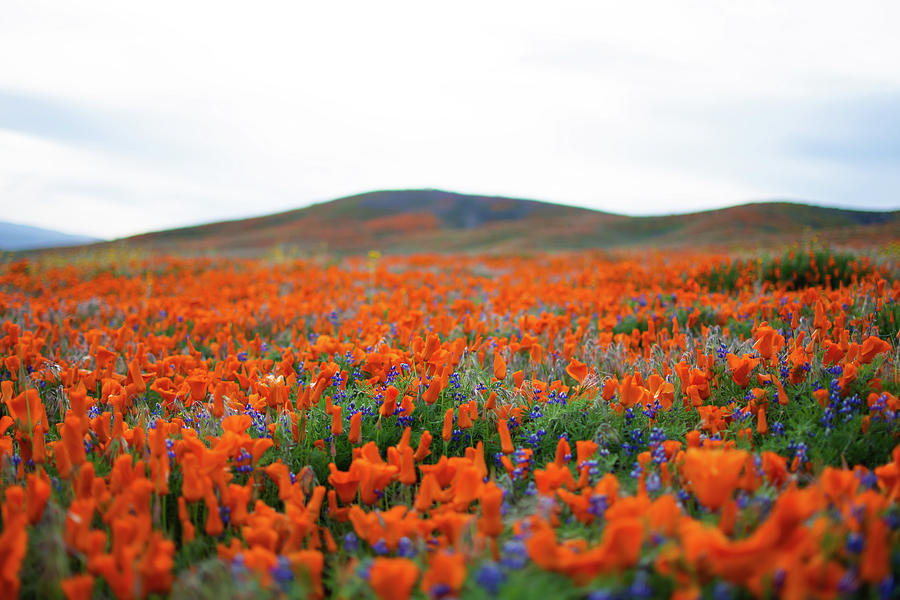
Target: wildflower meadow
x,y
593,425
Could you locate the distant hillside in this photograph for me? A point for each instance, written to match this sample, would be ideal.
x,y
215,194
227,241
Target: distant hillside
x,y
402,221
437,221
25,237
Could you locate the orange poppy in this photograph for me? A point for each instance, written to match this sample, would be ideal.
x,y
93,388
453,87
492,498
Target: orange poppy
x,y
446,574
447,431
499,367
768,341
355,423
393,578
741,368
78,587
713,474
506,444
577,370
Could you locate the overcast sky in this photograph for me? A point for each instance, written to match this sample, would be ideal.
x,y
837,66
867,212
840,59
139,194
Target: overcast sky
x,y
123,117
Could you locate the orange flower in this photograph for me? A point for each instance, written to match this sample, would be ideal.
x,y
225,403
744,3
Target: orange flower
x,y
237,423
28,408
280,474
552,478
577,370
260,447
762,426
389,405
214,525
774,466
741,368
875,559
12,364
848,376
499,367
424,444
446,574
37,491
621,544
491,500
78,587
407,465
447,432
432,343
156,564
355,422
311,563
631,392
464,421
542,547
839,485
345,483
584,450
768,341
73,438
434,390
518,378
563,452
337,424
374,477
491,402
134,373
782,395
429,492
713,474
466,486
187,527
609,389
13,541
407,406
506,444
872,347
393,578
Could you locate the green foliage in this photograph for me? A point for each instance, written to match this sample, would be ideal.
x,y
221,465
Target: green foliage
x,y
726,277
211,579
46,557
794,269
888,321
797,269
629,324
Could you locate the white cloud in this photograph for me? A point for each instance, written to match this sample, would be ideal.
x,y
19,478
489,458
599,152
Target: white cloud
x,y
637,107
77,191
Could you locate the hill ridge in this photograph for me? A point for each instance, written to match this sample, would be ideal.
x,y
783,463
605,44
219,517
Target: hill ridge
x,y
17,236
417,220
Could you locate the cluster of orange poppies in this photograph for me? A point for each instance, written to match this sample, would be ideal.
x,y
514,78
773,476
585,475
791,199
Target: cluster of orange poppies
x,y
348,424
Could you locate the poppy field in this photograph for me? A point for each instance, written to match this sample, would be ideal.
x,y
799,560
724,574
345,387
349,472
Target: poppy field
x,y
586,425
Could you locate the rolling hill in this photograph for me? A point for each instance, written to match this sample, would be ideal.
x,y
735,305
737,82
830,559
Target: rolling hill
x,y
25,237
438,221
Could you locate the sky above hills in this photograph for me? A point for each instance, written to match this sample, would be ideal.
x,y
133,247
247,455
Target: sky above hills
x,y
121,118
